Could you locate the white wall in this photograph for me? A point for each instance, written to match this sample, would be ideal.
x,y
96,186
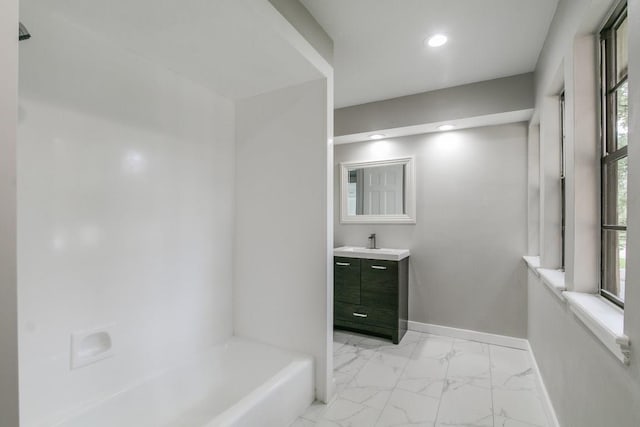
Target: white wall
x,y
125,215
281,245
588,386
471,230
632,302
8,281
550,189
533,190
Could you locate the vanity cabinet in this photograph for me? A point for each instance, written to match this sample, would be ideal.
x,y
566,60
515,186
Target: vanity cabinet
x,y
370,296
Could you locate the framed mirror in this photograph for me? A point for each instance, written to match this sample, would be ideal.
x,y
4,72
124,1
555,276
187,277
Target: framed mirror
x,y
378,192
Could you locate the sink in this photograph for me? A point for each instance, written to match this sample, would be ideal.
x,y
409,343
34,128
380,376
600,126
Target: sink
x,y
380,253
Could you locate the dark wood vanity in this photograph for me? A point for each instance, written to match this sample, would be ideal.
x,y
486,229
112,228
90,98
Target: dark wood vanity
x,y
370,296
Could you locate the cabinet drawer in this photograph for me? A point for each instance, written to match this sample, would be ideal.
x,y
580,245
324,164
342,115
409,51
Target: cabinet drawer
x,y
365,315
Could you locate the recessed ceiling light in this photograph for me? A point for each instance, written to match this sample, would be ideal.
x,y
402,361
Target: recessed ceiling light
x,y
377,136
446,127
436,40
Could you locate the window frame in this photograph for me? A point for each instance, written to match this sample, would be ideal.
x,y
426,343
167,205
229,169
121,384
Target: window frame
x,y
563,191
610,154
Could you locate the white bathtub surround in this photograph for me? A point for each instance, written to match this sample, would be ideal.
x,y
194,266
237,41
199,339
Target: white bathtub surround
x,y
127,158
239,383
125,219
91,346
429,380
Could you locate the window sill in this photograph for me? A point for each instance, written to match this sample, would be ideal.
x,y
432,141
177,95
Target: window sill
x,y
604,319
554,280
533,262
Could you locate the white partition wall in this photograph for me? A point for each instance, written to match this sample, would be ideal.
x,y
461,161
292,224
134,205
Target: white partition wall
x,y
280,253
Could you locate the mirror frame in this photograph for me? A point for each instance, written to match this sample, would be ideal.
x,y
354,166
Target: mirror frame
x,y
409,193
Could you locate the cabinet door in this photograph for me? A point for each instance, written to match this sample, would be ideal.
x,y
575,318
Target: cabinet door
x,y
379,284
346,280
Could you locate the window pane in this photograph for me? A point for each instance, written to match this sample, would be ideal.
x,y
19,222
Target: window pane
x,y
615,197
622,51
621,202
622,114
615,262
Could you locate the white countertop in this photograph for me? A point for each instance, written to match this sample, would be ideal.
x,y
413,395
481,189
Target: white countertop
x,y
380,253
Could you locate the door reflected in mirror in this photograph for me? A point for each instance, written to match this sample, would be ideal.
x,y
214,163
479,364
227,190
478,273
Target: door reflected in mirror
x,y
378,192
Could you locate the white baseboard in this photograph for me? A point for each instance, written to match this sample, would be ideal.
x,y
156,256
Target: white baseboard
x,y
542,390
466,334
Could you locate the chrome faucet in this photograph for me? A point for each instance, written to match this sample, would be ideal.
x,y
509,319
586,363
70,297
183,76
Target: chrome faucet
x,y
372,241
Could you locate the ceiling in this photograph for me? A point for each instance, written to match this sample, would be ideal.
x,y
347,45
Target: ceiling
x,y
379,51
221,44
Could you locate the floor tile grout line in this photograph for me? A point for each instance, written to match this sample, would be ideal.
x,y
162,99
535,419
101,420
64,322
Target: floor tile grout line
x,y
356,374
396,384
493,406
378,351
352,378
444,383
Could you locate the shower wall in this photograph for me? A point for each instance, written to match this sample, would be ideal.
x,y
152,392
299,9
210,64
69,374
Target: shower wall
x,y
125,215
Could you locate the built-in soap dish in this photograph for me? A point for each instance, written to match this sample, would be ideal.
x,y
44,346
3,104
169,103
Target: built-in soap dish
x,y
90,346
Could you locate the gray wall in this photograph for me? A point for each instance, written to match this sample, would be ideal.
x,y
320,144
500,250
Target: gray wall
x,y
470,235
306,24
8,285
504,95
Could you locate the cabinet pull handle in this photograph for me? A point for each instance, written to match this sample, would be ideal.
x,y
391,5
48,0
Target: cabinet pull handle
x,y
346,264
359,315
378,267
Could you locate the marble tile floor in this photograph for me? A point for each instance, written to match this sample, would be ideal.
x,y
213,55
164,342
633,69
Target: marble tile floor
x,y
428,381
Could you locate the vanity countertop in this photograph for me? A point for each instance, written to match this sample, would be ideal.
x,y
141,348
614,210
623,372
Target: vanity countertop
x,y
380,253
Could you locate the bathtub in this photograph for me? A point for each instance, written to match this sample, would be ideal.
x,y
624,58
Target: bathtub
x,y
240,383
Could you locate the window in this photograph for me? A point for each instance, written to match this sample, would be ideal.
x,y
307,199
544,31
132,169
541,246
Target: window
x,y
615,114
563,197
